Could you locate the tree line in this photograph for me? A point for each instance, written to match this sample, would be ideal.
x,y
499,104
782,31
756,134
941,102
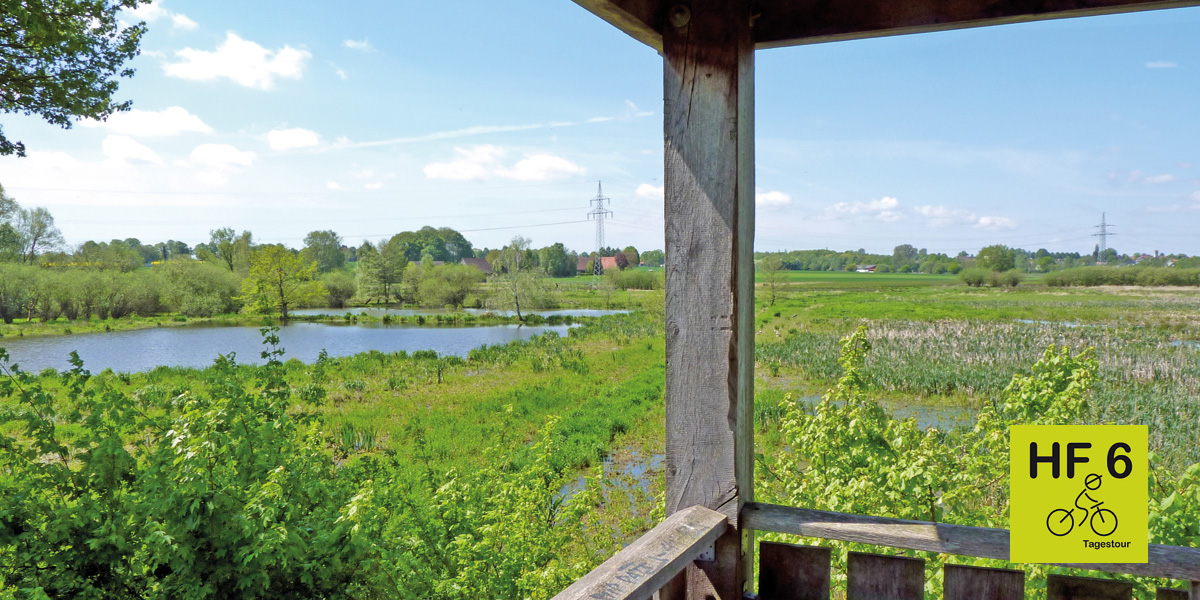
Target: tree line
x,y
231,272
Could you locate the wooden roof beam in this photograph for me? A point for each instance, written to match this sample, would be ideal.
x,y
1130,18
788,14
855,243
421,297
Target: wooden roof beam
x,y
796,22
780,23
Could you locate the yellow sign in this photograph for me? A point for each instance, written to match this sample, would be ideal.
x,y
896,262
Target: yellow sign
x,y
1078,493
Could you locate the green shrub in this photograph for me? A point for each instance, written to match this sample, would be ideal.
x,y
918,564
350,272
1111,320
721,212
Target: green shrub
x,y
974,277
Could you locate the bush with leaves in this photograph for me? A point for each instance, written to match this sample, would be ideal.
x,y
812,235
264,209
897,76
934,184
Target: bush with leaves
x,y
848,455
228,494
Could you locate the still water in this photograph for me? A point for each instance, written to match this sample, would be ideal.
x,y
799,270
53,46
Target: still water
x,y
409,312
145,349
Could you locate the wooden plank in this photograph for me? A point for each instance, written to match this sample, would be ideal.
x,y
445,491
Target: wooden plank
x,y
790,572
879,577
795,22
1195,588
1170,562
652,560
641,19
1062,587
1170,594
780,23
708,73
963,582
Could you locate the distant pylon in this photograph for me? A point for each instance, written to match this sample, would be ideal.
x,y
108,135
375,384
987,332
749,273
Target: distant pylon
x,y
598,214
1103,233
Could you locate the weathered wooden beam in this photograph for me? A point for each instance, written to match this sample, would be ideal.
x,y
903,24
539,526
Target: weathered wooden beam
x,y
641,19
794,22
962,582
790,572
881,577
1171,562
708,89
1063,587
1195,588
647,564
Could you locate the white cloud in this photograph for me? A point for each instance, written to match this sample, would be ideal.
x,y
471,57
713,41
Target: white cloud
x,y
339,71
222,156
944,216
155,11
363,173
650,192
333,185
995,223
772,198
217,161
541,167
1161,64
122,149
145,123
364,45
290,139
181,21
483,162
1164,178
475,162
1195,196
883,209
241,61
374,185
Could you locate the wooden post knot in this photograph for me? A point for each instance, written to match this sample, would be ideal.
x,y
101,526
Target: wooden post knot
x,y
680,15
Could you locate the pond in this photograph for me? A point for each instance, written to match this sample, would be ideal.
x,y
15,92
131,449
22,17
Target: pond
x,y
410,312
197,346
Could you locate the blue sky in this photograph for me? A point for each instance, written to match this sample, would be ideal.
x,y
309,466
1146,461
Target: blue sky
x,y
498,118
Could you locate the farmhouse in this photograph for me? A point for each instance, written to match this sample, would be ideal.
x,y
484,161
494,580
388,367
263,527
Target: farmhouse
x,y
866,268
479,263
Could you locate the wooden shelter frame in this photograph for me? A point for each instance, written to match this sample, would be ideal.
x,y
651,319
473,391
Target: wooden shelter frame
x,y
705,548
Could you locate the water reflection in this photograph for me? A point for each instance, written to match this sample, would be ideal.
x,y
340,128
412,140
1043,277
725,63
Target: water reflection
x,y
198,346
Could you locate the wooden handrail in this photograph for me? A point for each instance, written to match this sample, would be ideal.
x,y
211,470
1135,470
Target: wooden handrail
x,y
1172,562
649,563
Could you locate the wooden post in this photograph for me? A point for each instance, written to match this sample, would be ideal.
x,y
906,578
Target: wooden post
x,y
1195,590
708,88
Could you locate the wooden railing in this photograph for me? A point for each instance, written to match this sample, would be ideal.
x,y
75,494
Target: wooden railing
x,y
788,572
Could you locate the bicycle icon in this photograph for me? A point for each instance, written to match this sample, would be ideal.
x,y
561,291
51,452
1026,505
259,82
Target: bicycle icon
x,y
1102,521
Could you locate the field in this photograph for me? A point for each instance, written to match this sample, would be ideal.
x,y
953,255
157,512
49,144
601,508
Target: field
x,y
535,420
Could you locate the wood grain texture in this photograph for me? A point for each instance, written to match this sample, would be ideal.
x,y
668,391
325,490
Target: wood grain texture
x,y
790,572
709,139
641,19
1062,587
963,582
1195,588
793,22
649,563
1170,594
880,577
1171,562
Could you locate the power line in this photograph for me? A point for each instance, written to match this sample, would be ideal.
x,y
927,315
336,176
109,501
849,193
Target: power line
x,y
599,214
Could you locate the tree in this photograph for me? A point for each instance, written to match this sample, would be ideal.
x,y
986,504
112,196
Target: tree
x,y
231,249
325,247
448,284
36,229
631,253
654,258
444,244
519,283
770,267
622,261
279,278
997,257
380,271
339,288
904,254
61,60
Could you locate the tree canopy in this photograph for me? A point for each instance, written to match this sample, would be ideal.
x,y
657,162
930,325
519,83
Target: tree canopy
x,y
61,59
